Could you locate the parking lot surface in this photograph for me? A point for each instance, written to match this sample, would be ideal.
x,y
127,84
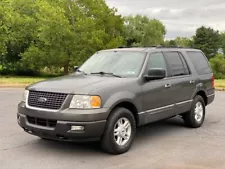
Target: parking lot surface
x,y
163,145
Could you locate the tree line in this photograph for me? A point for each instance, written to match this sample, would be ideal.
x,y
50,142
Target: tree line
x,y
51,36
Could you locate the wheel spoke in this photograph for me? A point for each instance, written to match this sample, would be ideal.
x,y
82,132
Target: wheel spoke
x,y
126,136
120,123
116,133
126,124
122,131
119,140
198,111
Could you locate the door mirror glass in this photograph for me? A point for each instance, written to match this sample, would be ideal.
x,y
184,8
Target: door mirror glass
x,y
155,74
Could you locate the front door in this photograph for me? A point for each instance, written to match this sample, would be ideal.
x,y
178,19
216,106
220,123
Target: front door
x,y
157,102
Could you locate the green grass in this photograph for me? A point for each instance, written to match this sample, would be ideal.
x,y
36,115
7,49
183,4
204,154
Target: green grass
x,y
220,83
14,80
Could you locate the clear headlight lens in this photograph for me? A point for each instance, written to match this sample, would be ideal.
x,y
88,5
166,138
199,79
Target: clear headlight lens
x,y
25,95
85,102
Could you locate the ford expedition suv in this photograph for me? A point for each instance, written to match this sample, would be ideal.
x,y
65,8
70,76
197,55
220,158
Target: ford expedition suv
x,y
117,90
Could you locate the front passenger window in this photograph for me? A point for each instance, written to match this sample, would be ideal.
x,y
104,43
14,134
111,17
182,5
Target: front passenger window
x,y
156,60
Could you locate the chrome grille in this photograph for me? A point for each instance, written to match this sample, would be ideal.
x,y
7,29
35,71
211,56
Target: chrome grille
x,y
46,100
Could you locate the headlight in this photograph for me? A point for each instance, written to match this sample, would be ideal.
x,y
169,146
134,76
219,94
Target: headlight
x,y
85,102
25,95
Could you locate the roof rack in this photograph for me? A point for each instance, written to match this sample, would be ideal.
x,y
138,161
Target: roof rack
x,y
125,47
161,46
154,46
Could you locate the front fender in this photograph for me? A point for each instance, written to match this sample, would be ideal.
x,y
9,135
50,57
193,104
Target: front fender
x,y
120,97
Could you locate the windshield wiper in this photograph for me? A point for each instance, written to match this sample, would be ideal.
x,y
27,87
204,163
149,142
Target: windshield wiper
x,y
105,73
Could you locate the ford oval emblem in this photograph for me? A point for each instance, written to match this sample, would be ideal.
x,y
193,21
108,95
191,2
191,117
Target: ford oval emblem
x,y
42,99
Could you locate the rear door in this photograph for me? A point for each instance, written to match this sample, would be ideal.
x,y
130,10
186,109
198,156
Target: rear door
x,y
202,67
182,81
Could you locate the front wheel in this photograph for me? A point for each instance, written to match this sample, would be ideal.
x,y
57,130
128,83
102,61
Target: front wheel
x,y
120,131
195,117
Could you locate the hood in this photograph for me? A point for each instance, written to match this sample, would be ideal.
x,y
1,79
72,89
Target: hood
x,y
74,84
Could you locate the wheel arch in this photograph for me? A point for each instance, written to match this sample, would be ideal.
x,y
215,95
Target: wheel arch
x,y
202,93
128,104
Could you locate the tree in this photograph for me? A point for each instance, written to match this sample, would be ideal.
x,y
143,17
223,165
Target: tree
x,y
184,42
5,24
143,31
19,27
208,40
57,33
70,31
218,65
171,42
222,37
180,41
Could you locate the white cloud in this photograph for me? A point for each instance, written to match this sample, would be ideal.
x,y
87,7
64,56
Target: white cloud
x,y
180,18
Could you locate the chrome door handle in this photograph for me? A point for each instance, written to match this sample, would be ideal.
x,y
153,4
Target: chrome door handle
x,y
167,85
192,81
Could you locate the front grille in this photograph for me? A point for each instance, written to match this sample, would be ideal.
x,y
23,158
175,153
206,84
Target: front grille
x,y
41,122
47,100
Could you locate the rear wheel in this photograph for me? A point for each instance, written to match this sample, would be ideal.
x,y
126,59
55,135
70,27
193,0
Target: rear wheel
x,y
195,117
119,132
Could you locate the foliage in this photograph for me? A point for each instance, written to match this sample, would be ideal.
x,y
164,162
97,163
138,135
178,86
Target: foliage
x,y
180,41
208,40
222,38
56,33
218,65
52,36
143,31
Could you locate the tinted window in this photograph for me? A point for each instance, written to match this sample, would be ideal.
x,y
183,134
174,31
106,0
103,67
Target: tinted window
x,y
175,64
186,69
156,60
200,62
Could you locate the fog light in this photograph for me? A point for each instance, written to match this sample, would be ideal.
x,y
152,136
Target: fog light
x,y
77,128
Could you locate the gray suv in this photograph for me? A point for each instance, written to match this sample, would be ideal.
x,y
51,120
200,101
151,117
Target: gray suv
x,y
117,90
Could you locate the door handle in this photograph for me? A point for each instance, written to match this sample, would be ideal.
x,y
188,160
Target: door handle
x,y
192,81
167,85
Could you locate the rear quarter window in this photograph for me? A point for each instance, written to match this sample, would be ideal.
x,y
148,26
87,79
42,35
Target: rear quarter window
x,y
200,62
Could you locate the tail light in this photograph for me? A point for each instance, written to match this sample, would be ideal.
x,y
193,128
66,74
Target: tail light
x,y
213,81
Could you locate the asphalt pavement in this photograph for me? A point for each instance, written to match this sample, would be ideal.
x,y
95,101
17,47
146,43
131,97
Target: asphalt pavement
x,y
163,145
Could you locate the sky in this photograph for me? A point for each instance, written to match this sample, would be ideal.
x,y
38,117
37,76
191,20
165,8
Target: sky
x,y
181,17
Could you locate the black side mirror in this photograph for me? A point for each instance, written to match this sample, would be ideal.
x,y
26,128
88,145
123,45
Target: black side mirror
x,y
155,74
75,68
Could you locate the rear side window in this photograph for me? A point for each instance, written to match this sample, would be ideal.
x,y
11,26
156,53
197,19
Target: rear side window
x,y
200,62
177,64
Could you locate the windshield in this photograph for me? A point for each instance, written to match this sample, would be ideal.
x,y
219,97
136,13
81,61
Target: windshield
x,y
124,64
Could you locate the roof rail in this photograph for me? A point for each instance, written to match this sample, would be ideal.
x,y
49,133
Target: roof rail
x,y
161,46
153,46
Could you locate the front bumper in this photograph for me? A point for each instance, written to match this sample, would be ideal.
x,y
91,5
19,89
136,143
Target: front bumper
x,y
93,121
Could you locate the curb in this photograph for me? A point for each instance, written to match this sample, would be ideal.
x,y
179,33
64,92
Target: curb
x,y
220,89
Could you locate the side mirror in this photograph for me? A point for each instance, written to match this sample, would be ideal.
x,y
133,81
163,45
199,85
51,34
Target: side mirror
x,y
155,74
75,68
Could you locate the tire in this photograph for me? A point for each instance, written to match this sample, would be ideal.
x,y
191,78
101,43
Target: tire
x,y
45,139
196,116
109,140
